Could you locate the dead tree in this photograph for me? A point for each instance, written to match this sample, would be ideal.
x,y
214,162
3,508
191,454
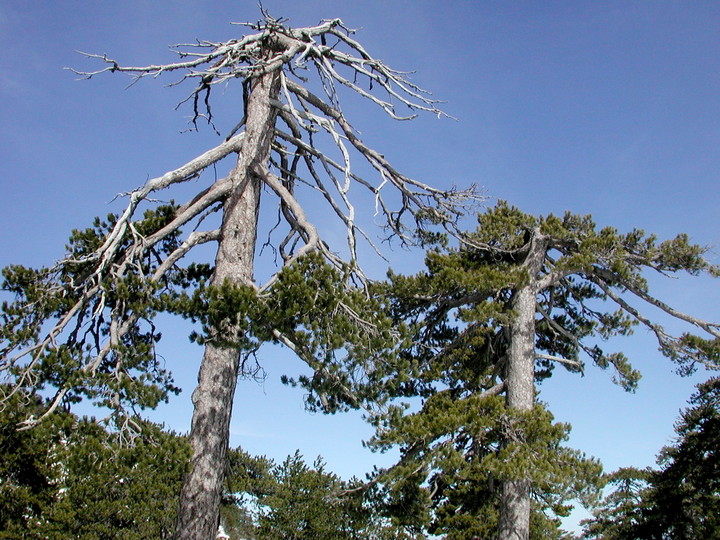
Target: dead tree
x,y
283,116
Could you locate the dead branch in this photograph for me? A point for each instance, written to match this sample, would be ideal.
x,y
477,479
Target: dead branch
x,y
272,47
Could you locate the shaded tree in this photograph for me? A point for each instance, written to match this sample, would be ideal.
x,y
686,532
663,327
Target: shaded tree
x,y
681,499
489,320
70,478
684,499
27,468
111,489
303,503
295,499
620,510
84,327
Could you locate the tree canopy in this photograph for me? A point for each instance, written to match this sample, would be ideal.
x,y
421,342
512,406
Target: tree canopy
x,y
70,478
464,342
680,499
85,326
494,317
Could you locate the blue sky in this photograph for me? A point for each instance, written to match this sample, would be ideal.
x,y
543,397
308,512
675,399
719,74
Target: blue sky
x,y
607,108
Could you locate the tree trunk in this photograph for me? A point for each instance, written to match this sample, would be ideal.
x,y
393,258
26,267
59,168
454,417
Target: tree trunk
x,y
514,521
213,398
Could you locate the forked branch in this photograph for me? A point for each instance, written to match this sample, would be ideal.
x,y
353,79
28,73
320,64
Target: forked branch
x,y
130,256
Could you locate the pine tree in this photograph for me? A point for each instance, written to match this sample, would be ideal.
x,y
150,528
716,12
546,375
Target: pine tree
x,y
489,320
684,496
298,500
70,478
85,327
620,511
27,466
681,499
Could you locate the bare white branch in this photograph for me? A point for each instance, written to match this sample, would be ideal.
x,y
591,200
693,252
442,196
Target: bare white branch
x,y
571,363
272,49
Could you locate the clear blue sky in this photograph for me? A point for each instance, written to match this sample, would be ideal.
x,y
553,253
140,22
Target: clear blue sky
x,y
607,108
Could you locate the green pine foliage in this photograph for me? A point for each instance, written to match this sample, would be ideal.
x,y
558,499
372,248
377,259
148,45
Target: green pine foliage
x,y
78,298
70,478
28,470
339,331
116,489
303,503
457,437
620,511
336,327
681,499
685,495
297,500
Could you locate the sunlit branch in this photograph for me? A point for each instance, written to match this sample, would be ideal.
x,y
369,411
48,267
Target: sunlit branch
x,y
98,321
666,341
710,328
570,363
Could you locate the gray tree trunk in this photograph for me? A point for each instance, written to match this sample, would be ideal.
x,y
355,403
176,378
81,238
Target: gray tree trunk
x,y
213,398
514,521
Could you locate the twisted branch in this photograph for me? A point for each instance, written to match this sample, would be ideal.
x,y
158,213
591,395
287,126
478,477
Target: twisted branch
x,y
124,251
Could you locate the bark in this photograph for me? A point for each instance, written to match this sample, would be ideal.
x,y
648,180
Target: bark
x,y
258,60
514,521
213,397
